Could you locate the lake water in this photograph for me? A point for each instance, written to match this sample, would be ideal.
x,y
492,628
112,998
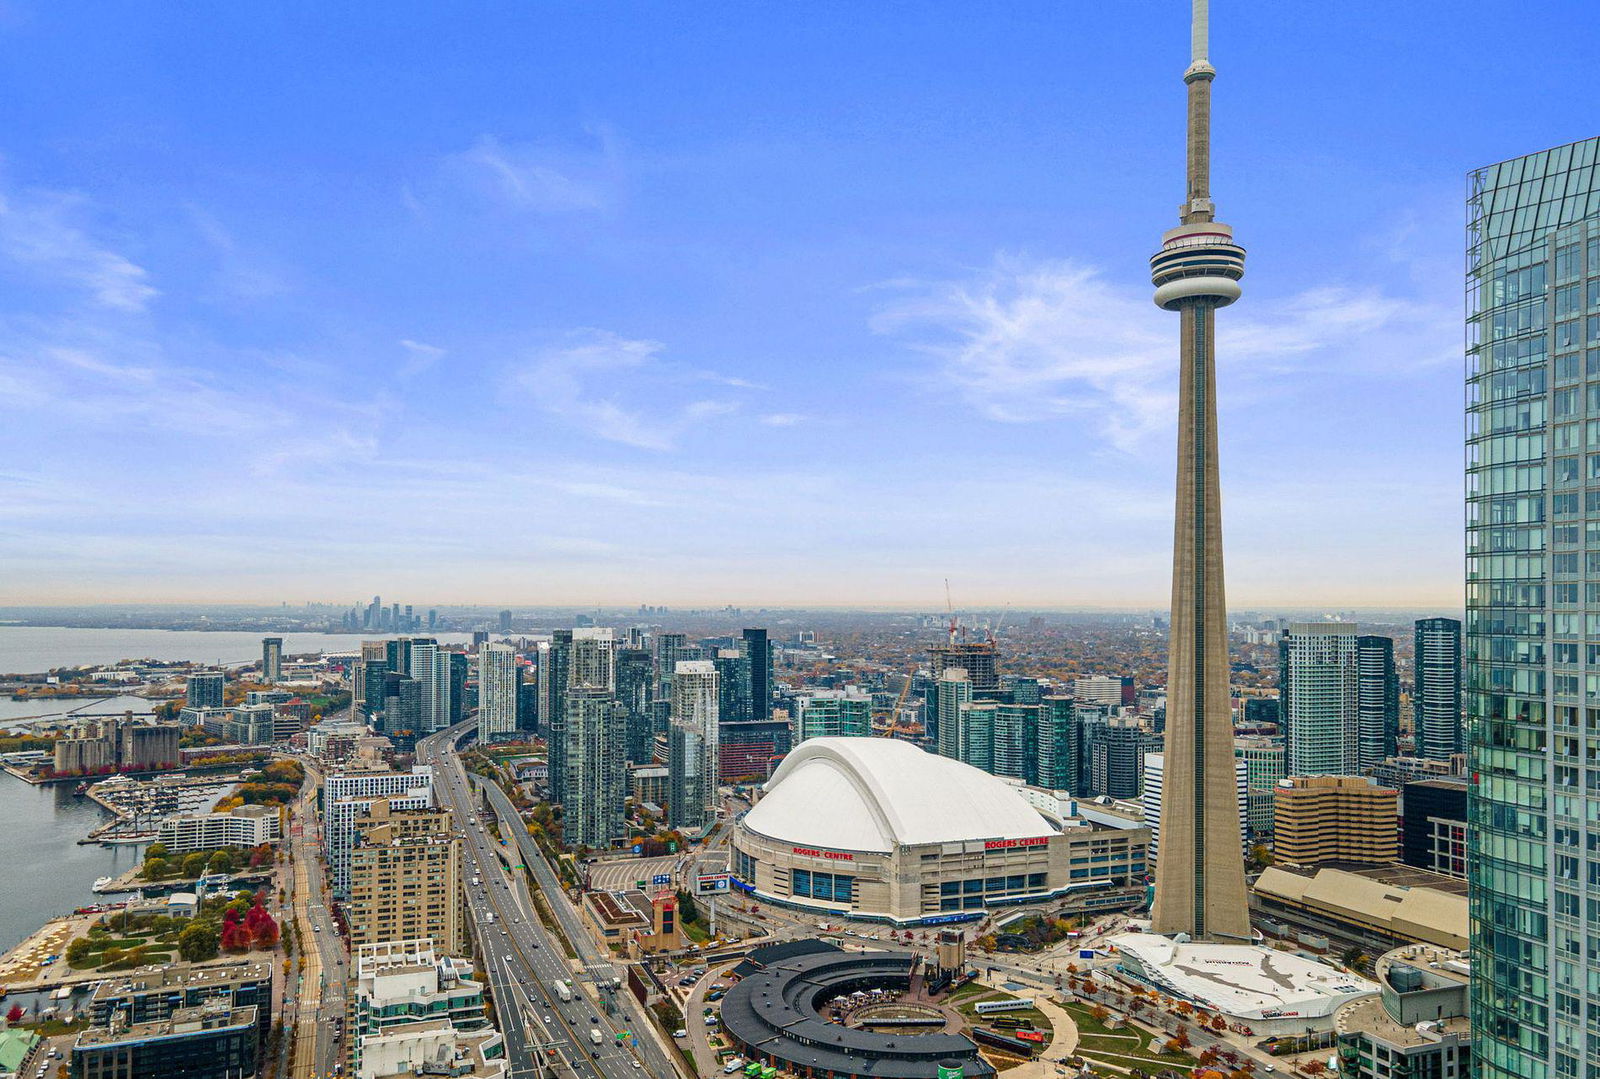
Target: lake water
x,y
33,649
43,870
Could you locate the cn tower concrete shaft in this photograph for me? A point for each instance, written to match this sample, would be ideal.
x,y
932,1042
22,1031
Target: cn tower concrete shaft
x,y
1200,888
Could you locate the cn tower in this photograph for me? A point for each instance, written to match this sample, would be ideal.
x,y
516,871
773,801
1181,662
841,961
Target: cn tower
x,y
1200,868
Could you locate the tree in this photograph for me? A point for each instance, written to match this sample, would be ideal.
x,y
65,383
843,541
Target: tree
x,y
235,934
263,930
1099,1013
155,850
221,862
1314,1067
14,1016
154,868
198,942
194,864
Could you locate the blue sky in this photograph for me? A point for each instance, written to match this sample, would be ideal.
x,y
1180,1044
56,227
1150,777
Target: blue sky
x,y
749,303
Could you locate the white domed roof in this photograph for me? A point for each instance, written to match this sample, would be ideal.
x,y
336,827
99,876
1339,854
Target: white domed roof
x,y
873,794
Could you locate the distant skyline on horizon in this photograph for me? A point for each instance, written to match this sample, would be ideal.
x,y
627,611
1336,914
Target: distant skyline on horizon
x,y
823,305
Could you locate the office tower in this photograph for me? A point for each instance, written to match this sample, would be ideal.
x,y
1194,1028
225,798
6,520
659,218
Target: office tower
x,y
1259,711
498,681
1151,784
1263,762
204,690
480,637
1318,687
1016,741
402,708
635,684
272,660
374,678
505,621
597,778
410,619
732,705
426,674
832,713
1200,883
668,649
1098,689
405,878
979,659
1436,697
1335,819
398,653
955,690
457,664
1433,825
756,674
433,619
1021,690
555,664
1533,331
1377,702
692,745
528,702
1114,749
1058,744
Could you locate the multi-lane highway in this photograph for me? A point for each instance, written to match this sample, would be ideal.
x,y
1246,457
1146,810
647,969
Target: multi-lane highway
x,y
544,1035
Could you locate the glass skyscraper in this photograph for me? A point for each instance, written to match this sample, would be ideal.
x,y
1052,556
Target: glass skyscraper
x,y
1533,612
1436,699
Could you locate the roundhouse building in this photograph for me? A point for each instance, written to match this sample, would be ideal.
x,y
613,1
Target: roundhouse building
x,y
876,828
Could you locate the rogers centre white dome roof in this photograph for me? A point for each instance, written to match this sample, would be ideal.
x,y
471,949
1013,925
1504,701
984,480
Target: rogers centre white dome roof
x,y
873,794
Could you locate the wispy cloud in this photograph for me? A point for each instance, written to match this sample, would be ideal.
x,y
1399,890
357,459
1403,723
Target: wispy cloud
x,y
1026,340
783,419
419,357
593,378
40,230
538,179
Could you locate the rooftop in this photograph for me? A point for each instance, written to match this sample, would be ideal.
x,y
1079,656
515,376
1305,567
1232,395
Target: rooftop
x,y
873,794
1243,980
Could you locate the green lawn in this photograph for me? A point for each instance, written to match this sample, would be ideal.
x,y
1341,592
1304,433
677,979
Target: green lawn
x,y
1128,1047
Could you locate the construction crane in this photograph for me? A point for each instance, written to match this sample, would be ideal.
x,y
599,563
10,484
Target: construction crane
x,y
951,608
998,623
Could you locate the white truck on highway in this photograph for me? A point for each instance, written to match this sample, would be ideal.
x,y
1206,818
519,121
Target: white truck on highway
x,y
594,1035
489,918
563,991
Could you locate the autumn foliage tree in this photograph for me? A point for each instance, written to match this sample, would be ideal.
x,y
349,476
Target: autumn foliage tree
x,y
254,928
14,1016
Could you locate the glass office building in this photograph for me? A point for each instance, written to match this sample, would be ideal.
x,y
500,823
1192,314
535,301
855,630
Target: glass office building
x,y
1533,612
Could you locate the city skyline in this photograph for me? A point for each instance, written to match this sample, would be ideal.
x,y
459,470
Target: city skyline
x,y
242,282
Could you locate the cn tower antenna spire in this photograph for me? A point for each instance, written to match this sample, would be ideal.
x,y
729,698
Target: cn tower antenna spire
x,y
1200,888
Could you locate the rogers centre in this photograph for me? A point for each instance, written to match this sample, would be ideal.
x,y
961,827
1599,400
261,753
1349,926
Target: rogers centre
x,y
876,828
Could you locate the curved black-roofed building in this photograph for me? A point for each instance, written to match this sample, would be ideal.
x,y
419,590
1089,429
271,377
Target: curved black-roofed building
x,y
772,1016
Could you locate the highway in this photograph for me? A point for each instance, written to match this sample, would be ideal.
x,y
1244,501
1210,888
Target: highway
x,y
522,961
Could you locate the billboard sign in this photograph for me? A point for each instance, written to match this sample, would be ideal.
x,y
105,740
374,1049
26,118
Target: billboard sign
x,y
711,884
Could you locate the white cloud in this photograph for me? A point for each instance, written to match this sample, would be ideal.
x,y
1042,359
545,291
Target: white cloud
x,y
37,230
1027,340
593,377
535,179
419,357
783,419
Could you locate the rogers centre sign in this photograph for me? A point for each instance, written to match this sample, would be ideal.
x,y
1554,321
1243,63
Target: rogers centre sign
x,y
834,854
1002,844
